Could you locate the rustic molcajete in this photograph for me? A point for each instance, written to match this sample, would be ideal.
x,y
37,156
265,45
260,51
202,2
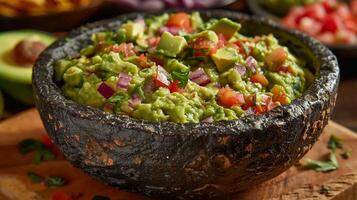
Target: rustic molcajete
x,y
182,161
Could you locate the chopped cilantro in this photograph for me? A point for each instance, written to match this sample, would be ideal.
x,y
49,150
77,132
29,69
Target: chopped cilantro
x,y
324,166
55,181
50,181
118,98
347,153
181,76
334,143
42,153
35,178
29,145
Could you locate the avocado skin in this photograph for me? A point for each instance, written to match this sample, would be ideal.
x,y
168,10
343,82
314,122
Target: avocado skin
x,y
14,80
187,161
18,91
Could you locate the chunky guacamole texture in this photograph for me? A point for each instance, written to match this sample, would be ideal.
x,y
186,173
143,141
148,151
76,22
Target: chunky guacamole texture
x,y
180,68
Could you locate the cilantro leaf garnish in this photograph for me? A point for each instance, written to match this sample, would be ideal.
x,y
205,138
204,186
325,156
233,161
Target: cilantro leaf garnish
x,y
334,143
55,181
50,181
42,153
347,153
181,76
118,98
29,145
139,91
324,166
35,178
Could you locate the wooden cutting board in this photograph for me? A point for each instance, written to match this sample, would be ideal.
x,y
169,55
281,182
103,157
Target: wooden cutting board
x,y
295,183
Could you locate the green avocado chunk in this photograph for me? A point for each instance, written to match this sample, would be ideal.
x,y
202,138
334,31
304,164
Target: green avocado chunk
x,y
207,34
133,30
170,45
227,27
225,58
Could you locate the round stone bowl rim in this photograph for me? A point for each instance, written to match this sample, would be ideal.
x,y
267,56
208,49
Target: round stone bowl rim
x,y
51,93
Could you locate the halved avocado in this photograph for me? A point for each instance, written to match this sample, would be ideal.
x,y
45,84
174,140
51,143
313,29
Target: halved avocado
x,y
15,79
187,161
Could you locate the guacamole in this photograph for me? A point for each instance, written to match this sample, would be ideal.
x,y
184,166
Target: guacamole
x,y
179,68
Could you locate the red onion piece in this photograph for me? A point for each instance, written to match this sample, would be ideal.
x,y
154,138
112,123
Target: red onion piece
x,y
162,76
240,69
251,63
140,20
200,77
124,80
208,119
203,80
197,73
105,90
149,86
172,30
134,101
249,111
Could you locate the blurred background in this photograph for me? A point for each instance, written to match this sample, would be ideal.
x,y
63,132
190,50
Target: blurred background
x,y
29,26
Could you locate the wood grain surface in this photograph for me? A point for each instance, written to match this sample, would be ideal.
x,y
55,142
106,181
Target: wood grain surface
x,y
295,183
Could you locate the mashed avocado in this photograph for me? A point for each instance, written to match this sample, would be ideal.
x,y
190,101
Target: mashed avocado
x,y
179,68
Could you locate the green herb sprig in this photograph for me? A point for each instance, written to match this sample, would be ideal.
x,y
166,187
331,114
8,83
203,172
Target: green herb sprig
x,y
49,181
331,164
42,152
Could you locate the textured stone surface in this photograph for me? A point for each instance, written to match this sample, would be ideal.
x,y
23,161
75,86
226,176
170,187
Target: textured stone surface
x,y
187,160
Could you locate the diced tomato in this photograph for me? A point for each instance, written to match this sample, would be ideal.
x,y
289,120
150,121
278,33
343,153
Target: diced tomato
x,y
58,195
221,41
353,6
294,17
173,87
204,47
180,20
259,109
228,97
202,43
161,77
345,37
330,5
329,24
326,38
153,41
343,11
143,61
46,140
310,26
315,11
351,24
249,101
279,95
285,69
239,46
276,57
259,78
126,48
